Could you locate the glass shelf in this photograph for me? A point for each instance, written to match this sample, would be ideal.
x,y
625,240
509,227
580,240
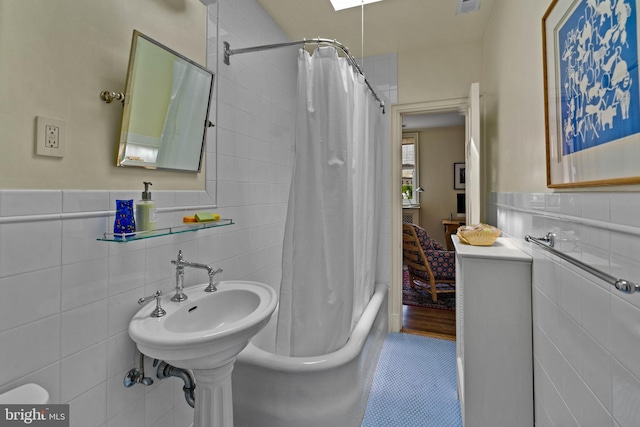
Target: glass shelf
x,y
184,228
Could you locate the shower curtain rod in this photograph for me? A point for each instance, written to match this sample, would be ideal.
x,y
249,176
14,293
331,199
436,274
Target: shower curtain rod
x,y
318,40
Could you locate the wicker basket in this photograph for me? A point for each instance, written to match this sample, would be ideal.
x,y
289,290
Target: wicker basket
x,y
478,235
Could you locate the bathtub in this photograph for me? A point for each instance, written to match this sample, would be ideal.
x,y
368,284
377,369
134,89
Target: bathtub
x,y
327,390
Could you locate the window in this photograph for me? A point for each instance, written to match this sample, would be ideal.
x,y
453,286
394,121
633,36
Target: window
x,y
410,169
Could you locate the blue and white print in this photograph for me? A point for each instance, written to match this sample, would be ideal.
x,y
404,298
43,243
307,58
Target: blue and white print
x,y
598,71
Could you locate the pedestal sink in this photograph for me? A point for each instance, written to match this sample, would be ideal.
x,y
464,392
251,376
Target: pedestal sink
x,y
205,333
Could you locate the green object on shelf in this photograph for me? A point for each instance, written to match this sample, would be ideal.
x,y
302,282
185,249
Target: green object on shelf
x,y
206,216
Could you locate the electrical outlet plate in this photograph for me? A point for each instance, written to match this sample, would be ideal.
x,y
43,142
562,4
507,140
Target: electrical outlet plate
x,y
50,137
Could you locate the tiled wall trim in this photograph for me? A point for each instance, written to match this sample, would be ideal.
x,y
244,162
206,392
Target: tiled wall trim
x,y
586,333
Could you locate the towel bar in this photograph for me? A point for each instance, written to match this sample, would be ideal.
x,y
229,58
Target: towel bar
x,y
548,243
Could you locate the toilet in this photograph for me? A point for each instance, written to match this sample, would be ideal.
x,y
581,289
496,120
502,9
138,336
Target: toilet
x,y
27,393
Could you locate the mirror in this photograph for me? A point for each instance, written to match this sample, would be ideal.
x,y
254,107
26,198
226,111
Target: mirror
x,y
166,108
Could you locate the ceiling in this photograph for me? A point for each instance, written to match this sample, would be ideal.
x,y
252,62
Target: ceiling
x,y
390,26
431,120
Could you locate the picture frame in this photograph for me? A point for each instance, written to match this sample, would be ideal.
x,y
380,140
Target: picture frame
x,y
591,93
459,176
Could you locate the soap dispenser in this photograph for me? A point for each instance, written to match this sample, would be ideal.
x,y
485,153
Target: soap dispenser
x,y
146,211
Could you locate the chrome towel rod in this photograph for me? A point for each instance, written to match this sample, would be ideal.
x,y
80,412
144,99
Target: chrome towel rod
x,y
548,242
318,40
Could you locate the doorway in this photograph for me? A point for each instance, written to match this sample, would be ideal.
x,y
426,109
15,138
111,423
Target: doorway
x,y
433,146
398,112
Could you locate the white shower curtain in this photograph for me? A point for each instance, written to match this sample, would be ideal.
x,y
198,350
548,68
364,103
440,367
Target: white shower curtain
x,y
330,242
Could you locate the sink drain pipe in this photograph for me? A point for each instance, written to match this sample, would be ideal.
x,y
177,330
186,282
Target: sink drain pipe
x,y
165,371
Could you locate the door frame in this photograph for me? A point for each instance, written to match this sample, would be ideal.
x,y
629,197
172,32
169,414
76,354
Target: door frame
x,y
460,105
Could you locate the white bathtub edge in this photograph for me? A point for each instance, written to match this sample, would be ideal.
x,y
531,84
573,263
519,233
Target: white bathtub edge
x,y
256,356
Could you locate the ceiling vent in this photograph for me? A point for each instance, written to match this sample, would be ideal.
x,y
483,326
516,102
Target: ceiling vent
x,y
466,6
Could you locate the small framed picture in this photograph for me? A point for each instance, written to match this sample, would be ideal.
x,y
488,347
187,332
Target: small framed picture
x,y
459,178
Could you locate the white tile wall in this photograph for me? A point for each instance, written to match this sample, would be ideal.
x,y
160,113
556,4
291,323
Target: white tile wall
x,y
586,333
67,298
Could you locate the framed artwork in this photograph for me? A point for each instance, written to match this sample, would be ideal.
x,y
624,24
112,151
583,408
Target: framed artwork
x,y
592,93
459,178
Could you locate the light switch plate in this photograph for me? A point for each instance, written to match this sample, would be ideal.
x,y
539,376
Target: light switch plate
x,y
50,137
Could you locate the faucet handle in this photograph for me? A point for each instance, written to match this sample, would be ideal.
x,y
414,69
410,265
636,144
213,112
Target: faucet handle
x,y
178,261
158,311
212,285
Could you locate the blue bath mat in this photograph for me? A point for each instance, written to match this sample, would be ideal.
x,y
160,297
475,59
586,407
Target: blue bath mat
x,y
414,384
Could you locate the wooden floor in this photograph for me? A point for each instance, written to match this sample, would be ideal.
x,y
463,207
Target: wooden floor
x,y
431,322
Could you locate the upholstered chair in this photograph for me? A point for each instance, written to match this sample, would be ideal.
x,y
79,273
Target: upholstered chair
x,y
430,265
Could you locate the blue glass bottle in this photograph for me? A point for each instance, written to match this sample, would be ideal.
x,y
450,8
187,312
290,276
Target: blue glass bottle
x,y
125,222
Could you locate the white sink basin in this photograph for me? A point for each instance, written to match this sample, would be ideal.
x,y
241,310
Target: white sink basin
x,y
207,330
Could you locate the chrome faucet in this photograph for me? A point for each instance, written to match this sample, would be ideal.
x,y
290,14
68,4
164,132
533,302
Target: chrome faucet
x,y
180,264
